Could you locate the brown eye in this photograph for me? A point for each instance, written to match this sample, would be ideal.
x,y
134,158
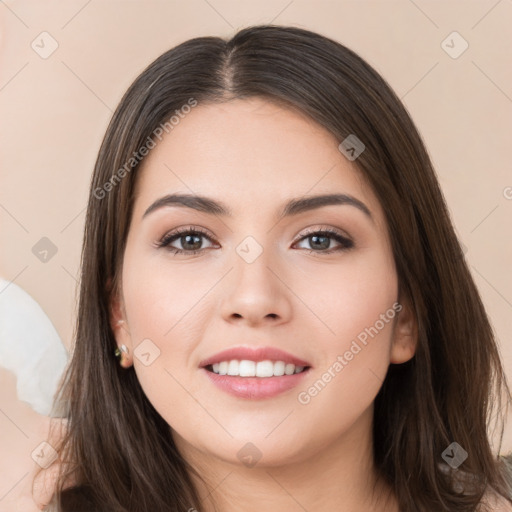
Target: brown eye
x,y
320,241
190,240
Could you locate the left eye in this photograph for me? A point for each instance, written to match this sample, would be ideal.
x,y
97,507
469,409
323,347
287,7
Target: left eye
x,y
321,240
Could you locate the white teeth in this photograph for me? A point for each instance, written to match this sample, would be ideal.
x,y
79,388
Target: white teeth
x,y
247,368
279,368
265,369
289,369
233,367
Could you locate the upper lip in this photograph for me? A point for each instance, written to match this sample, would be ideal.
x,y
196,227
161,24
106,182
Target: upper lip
x,y
254,354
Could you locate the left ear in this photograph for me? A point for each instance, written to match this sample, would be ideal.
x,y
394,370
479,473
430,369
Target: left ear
x,y
405,333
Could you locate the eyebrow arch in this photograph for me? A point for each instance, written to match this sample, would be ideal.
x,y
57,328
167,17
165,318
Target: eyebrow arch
x,y
292,207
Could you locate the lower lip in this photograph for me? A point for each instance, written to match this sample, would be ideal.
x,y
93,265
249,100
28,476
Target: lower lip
x,y
255,388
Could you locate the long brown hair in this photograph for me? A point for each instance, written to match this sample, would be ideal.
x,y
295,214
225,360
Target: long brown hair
x,y
121,451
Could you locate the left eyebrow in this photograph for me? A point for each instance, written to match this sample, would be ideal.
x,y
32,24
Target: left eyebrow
x,y
292,207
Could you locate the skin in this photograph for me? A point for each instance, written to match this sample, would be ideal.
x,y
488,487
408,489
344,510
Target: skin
x,y
253,156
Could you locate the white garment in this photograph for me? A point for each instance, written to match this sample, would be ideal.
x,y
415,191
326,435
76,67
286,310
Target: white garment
x,y
30,347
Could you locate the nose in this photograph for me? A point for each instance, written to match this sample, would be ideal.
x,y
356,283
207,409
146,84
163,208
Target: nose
x,y
256,293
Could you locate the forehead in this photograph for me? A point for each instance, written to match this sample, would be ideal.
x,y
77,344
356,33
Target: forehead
x,y
252,153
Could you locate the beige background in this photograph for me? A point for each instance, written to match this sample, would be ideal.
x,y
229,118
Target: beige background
x,y
54,112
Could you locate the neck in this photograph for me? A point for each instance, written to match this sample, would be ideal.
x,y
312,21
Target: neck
x,y
341,476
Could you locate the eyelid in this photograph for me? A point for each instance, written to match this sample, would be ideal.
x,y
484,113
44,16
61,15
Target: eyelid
x,y
174,233
323,228
310,230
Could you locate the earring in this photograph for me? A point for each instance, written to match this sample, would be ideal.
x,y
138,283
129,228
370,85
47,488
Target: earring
x,y
118,351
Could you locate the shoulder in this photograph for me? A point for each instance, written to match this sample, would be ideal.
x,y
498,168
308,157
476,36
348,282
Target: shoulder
x,y
494,502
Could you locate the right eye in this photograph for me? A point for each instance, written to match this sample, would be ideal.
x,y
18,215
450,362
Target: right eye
x,y
189,236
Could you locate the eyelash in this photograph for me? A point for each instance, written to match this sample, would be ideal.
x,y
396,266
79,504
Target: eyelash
x,y
346,243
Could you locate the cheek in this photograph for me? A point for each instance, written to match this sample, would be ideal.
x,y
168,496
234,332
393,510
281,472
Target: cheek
x,y
159,308
350,296
160,298
165,304
360,309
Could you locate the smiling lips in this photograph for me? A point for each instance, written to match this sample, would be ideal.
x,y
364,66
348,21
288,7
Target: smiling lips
x,y
228,362
254,373
248,368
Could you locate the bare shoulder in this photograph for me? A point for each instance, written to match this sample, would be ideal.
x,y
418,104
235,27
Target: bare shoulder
x,y
494,502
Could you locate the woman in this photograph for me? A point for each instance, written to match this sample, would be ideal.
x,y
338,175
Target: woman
x,y
268,254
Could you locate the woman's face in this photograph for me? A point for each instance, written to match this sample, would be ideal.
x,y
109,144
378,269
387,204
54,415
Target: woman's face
x,y
259,279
